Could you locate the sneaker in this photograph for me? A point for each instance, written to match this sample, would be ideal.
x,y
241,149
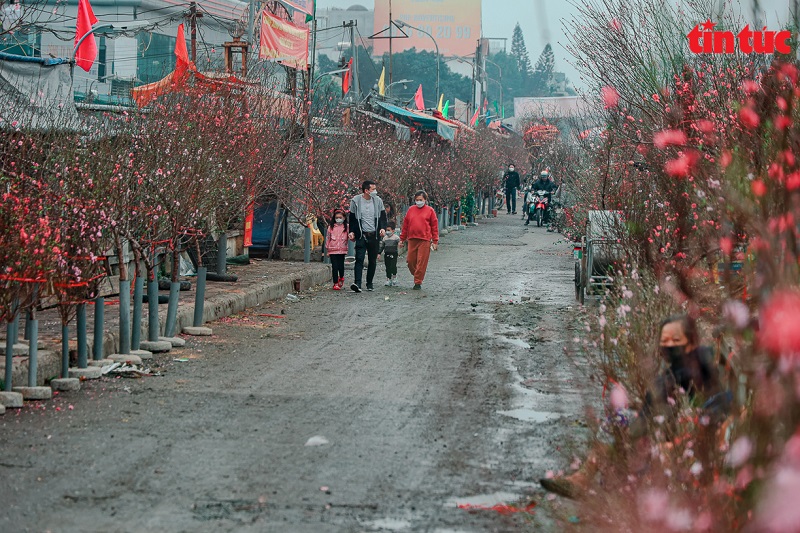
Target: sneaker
x,y
388,283
513,212
341,282
337,287
370,287
527,222
417,287
394,283
355,288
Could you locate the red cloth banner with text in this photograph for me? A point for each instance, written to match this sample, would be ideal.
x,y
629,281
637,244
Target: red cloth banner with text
x,y
283,42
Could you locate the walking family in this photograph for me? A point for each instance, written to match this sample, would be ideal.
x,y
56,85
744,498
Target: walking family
x,y
369,228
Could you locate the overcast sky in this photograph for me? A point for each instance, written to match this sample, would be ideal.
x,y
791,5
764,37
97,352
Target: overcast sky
x,y
540,21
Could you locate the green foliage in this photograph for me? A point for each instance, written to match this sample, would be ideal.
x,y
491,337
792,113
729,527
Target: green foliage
x,y
421,68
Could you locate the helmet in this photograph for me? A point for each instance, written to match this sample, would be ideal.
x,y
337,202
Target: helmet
x,y
544,174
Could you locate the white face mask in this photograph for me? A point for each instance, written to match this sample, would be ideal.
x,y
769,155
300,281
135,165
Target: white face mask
x,y
340,221
373,193
511,169
420,203
389,233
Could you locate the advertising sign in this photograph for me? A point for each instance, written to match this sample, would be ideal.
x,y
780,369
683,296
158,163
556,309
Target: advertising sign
x,y
455,24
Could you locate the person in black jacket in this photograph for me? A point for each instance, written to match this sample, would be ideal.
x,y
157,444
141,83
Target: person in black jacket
x,y
689,373
367,227
511,184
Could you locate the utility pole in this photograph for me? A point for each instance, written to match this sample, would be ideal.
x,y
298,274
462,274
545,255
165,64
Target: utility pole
x,y
391,23
251,18
193,16
354,74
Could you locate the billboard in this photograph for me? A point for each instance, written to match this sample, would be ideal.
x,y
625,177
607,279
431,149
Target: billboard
x,y
455,24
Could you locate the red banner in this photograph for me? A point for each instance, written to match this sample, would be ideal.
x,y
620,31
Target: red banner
x,y
283,41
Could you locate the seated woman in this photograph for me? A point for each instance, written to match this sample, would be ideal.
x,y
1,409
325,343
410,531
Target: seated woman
x,y
691,371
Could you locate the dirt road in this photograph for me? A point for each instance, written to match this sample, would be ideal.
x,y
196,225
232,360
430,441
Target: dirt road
x,y
419,401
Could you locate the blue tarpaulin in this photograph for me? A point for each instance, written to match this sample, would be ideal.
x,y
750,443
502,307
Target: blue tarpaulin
x,y
420,121
46,61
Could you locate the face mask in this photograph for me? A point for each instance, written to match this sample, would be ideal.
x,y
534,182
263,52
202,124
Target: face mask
x,y
674,354
340,221
420,203
511,169
374,194
389,233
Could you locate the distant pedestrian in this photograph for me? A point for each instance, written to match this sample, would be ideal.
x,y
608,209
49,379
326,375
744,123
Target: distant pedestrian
x,y
421,231
511,184
391,214
390,250
367,226
336,244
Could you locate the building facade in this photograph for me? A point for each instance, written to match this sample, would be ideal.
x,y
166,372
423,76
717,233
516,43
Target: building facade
x,y
140,56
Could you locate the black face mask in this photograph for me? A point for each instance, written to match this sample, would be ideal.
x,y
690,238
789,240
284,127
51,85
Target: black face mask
x,y
682,373
674,354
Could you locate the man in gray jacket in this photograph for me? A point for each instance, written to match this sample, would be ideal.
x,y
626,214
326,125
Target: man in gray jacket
x,y
367,227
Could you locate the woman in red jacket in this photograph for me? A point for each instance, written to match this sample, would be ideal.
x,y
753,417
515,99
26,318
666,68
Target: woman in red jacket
x,y
421,231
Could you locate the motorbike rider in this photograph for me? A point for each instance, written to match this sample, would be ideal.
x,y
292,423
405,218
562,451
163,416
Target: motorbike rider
x,y
545,183
511,184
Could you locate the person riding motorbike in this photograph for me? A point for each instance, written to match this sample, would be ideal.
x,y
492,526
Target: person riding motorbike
x,y
545,183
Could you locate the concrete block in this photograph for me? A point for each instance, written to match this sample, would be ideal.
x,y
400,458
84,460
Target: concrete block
x,y
176,342
11,399
65,384
93,372
19,349
143,354
27,343
99,363
198,331
156,346
126,358
35,393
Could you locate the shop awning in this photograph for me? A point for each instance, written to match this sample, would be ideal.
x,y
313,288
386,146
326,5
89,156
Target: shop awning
x,y
402,132
420,121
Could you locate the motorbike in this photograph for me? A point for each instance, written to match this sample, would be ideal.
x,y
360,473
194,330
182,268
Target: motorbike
x,y
499,199
539,207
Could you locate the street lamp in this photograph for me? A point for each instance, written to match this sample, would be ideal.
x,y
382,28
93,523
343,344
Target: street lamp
x,y
473,102
400,81
498,67
107,27
401,24
331,73
501,88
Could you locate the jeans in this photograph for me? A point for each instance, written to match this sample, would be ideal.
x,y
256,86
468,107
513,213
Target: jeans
x,y
368,246
511,200
337,266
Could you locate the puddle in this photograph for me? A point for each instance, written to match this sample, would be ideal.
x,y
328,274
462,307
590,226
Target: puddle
x,y
529,415
389,524
486,500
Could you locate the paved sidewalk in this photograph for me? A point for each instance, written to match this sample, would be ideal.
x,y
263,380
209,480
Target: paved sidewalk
x,y
258,282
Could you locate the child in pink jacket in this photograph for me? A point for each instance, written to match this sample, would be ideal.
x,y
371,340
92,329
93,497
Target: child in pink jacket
x,y
336,244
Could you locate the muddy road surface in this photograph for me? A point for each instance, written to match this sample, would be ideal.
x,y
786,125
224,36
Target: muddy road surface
x,y
392,410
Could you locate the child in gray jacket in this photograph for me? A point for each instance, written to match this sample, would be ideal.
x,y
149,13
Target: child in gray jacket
x,y
389,249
